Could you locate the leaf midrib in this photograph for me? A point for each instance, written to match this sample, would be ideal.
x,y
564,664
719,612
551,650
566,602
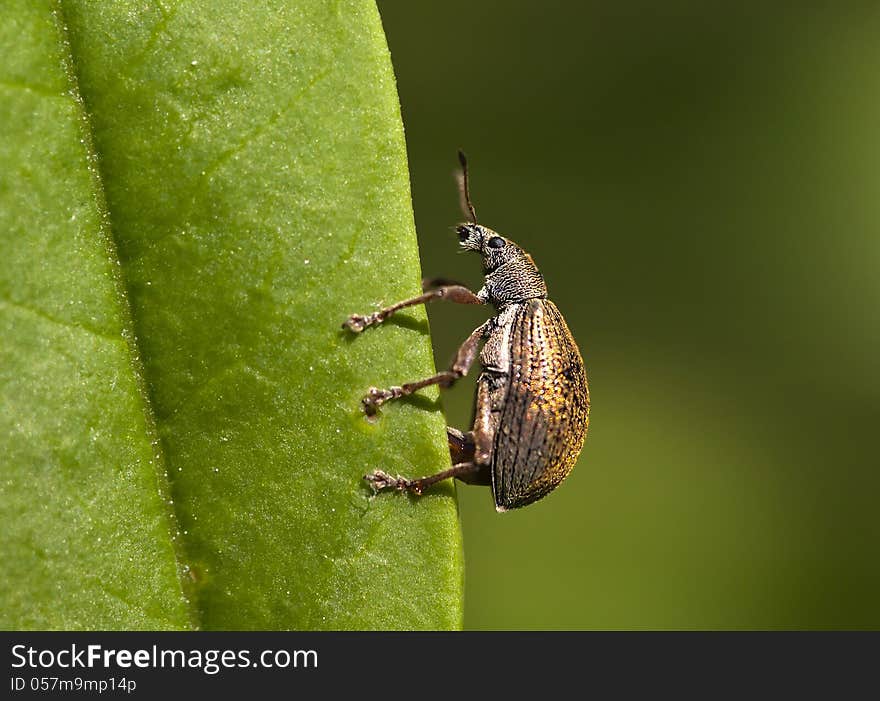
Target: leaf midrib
x,y
124,308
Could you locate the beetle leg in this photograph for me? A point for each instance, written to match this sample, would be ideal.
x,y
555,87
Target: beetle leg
x,y
461,449
464,358
432,283
485,420
454,293
481,477
465,471
461,445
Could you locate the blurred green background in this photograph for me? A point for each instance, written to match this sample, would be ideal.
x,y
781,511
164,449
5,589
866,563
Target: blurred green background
x,y
700,184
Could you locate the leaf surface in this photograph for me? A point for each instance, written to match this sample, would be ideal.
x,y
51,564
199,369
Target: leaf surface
x,y
197,195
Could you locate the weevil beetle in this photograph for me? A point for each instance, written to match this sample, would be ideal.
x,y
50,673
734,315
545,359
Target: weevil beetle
x,y
533,403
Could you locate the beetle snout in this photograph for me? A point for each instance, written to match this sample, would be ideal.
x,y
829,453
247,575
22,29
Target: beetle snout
x,y
470,236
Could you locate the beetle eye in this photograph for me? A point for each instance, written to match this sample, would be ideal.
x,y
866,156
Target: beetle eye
x,y
463,233
495,242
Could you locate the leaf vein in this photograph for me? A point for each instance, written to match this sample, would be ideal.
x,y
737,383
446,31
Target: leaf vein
x,y
105,231
158,29
36,89
4,301
261,128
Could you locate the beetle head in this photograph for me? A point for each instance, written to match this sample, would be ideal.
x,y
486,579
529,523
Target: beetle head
x,y
510,272
495,249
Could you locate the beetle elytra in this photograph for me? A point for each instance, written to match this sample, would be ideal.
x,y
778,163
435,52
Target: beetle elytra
x,y
533,403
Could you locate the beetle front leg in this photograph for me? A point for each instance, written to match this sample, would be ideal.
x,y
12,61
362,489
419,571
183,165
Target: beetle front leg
x,y
453,293
464,358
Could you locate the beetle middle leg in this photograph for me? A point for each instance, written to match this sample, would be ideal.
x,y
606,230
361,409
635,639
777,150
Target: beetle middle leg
x,y
464,358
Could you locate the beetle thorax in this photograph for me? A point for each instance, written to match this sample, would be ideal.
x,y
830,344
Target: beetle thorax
x,y
515,281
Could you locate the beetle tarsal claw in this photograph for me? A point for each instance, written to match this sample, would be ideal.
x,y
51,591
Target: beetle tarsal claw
x,y
377,397
379,480
356,323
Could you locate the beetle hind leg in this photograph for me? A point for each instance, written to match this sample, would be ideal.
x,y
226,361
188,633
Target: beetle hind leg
x,y
466,471
461,445
462,448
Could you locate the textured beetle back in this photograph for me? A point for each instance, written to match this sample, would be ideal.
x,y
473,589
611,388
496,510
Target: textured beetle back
x,y
545,414
515,280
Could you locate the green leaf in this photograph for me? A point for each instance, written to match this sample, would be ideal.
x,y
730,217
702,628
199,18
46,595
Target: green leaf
x,y
193,198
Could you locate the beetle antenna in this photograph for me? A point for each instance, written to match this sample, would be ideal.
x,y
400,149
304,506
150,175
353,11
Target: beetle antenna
x,y
464,191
